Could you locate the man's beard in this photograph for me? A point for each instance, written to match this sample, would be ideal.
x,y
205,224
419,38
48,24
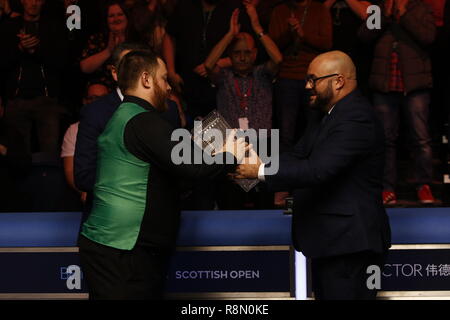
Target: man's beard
x,y
322,100
160,99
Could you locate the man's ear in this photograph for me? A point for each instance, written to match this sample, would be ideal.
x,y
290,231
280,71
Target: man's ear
x,y
114,73
146,80
340,82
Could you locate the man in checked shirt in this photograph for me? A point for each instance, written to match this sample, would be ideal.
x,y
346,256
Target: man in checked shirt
x,y
244,95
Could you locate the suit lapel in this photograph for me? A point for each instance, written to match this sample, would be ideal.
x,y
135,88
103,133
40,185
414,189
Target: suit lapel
x,y
321,129
305,144
317,132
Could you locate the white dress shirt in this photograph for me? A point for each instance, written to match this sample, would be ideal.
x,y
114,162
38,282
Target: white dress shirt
x,y
119,93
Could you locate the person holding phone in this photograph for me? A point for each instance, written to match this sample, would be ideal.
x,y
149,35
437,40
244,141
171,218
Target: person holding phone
x,y
33,58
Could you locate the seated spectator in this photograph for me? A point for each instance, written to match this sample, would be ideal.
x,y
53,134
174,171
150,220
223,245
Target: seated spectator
x,y
244,94
401,79
33,57
94,91
97,53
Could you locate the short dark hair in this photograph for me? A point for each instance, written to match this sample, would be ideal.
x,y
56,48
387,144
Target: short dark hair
x,y
132,65
125,46
93,83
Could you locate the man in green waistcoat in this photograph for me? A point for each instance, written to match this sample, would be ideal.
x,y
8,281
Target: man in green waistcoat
x,y
126,242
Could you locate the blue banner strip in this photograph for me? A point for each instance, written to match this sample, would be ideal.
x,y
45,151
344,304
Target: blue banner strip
x,y
219,228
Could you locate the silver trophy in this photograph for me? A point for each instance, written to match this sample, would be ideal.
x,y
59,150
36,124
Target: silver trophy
x,y
214,120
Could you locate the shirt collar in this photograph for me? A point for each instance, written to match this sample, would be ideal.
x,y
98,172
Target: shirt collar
x,y
119,93
329,112
345,99
140,102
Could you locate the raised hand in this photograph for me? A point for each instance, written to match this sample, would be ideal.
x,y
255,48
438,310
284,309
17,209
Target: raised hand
x,y
251,10
28,42
253,15
235,27
295,26
111,42
114,40
201,70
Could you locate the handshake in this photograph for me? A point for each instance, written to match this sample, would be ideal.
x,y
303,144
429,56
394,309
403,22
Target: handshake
x,y
247,159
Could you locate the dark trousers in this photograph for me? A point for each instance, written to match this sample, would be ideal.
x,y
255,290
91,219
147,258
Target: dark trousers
x,y
112,274
344,277
21,114
414,108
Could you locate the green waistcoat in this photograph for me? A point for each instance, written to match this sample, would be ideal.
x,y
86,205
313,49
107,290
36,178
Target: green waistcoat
x,y
121,186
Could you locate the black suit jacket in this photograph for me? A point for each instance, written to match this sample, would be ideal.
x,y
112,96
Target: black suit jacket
x,y
335,172
93,120
51,55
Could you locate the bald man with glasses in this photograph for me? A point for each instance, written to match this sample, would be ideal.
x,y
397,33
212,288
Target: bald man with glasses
x,y
335,174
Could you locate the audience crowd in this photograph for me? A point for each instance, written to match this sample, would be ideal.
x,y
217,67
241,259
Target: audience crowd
x,y
248,59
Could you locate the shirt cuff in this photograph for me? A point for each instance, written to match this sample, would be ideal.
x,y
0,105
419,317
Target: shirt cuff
x,y
261,172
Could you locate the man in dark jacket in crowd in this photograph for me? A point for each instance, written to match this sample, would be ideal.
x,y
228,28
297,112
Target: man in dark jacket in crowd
x,y
401,79
33,57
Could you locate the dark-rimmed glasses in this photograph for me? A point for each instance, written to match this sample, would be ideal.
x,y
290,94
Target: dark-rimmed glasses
x,y
311,79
